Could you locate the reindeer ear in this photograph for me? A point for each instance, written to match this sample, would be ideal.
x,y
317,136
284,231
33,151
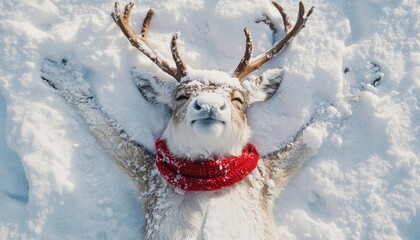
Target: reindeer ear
x,y
263,87
154,90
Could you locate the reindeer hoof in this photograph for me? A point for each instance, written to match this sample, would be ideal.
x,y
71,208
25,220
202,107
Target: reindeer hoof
x,y
372,75
70,80
376,74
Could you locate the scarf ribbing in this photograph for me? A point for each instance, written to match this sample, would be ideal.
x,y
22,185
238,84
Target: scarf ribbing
x,y
208,175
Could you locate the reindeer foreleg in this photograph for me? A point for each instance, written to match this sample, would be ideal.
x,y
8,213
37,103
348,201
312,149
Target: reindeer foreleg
x,y
282,164
71,83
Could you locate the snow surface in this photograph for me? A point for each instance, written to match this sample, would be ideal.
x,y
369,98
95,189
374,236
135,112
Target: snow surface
x,y
57,183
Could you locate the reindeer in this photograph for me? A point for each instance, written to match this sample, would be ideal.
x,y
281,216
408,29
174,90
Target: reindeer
x,y
205,181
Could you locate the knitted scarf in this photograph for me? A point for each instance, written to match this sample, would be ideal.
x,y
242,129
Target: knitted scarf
x,y
207,175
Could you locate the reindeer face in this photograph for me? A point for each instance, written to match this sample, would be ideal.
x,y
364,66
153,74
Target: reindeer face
x,y
207,121
207,109
208,114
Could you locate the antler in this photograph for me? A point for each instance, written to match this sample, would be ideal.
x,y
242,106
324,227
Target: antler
x,y
245,66
141,42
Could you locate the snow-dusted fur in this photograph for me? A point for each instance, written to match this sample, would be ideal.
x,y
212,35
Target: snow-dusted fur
x,y
190,134
231,213
242,211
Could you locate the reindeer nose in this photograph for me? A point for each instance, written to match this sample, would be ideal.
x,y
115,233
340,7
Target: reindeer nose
x,y
197,106
209,102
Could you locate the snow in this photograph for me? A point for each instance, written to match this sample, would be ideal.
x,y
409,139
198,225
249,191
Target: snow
x,y
314,135
211,76
364,183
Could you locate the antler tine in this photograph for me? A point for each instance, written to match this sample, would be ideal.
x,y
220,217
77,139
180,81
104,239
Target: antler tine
x,y
127,10
248,52
146,24
245,66
116,13
141,42
181,68
286,20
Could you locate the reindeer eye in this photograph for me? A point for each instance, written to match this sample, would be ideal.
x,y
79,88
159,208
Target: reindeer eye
x,y
181,98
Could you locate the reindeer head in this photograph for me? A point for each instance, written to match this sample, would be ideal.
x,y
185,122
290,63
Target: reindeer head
x,y
208,118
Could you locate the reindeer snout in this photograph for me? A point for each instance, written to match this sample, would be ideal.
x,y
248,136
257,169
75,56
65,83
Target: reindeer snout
x,y
208,105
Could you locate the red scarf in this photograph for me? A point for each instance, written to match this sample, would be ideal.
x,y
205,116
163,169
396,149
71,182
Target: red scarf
x,y
207,175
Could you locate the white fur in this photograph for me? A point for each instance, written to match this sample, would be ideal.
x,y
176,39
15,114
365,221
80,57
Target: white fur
x,y
231,213
188,140
183,142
